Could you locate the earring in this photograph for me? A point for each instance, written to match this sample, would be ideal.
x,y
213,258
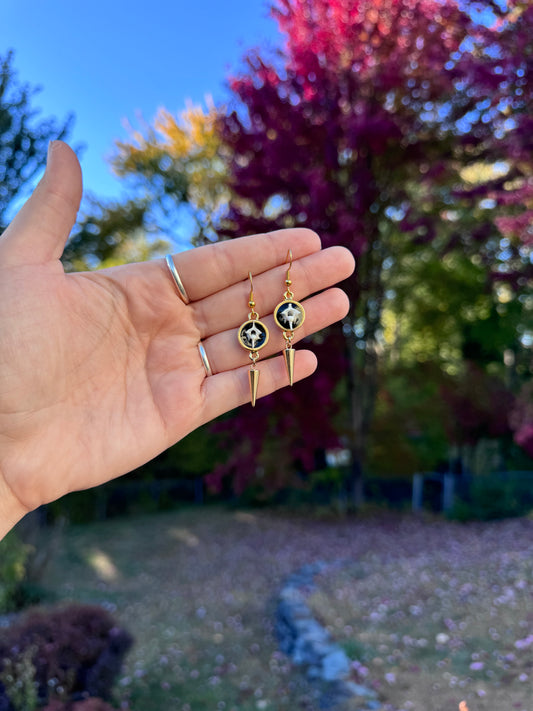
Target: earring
x,y
253,335
289,315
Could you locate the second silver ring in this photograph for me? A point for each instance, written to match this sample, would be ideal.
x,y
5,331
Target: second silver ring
x,y
205,360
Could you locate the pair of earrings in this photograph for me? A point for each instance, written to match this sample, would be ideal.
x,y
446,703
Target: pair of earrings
x,y
253,335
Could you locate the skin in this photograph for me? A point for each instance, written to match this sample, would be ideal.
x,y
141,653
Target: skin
x,y
100,371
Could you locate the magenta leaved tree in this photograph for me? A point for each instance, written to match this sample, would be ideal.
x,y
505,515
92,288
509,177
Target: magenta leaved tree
x,y
362,128
364,119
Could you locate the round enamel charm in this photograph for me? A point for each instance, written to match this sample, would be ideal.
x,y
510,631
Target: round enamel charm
x,y
253,335
289,315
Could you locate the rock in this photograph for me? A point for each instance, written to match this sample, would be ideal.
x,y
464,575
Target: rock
x,y
359,690
309,644
311,630
335,665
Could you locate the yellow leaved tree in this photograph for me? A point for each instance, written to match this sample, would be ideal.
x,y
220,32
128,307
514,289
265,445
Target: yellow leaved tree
x,y
175,164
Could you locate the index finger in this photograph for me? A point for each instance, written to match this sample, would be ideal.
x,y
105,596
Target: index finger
x,y
207,270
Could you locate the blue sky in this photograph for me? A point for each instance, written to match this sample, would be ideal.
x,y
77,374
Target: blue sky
x,y
108,60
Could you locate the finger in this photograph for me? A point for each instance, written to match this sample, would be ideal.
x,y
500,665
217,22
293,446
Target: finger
x,y
39,231
225,353
229,308
227,390
208,270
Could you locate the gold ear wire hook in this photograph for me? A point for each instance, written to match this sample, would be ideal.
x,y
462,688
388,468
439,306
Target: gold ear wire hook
x,y
289,259
251,301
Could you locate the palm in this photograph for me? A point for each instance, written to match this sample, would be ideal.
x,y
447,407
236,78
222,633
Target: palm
x,y
103,372
99,372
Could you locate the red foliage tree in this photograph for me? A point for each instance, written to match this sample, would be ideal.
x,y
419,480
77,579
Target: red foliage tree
x,y
513,35
500,76
480,406
359,129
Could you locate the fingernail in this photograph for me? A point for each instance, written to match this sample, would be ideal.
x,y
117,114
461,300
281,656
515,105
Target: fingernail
x,y
49,153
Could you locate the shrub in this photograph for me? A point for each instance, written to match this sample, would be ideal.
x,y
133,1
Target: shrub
x,y
13,559
24,555
76,652
492,498
18,678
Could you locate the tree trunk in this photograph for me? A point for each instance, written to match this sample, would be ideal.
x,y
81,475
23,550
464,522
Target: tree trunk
x,y
362,358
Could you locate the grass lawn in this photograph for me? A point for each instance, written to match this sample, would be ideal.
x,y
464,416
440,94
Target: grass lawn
x,y
431,612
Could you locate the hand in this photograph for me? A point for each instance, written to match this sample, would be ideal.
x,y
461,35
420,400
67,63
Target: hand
x,y
100,371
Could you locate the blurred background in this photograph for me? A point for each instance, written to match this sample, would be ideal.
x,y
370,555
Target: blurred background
x,y
400,129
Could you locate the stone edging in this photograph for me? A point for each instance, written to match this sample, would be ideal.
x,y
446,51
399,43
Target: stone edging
x,y
308,643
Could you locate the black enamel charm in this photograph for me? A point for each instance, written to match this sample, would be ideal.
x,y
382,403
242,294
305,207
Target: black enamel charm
x,y
289,315
253,335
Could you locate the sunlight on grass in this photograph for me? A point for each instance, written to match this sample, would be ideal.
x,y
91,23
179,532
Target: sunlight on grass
x,y
103,566
184,536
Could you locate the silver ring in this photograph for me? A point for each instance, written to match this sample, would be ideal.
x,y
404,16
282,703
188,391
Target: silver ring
x,y
177,279
205,361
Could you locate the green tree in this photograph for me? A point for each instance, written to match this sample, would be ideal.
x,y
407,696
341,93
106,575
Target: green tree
x,y
112,233
24,138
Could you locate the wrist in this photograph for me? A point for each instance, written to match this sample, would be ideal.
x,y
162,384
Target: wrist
x,y
11,509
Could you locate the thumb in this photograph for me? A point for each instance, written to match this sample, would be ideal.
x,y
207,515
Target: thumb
x,y
39,231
